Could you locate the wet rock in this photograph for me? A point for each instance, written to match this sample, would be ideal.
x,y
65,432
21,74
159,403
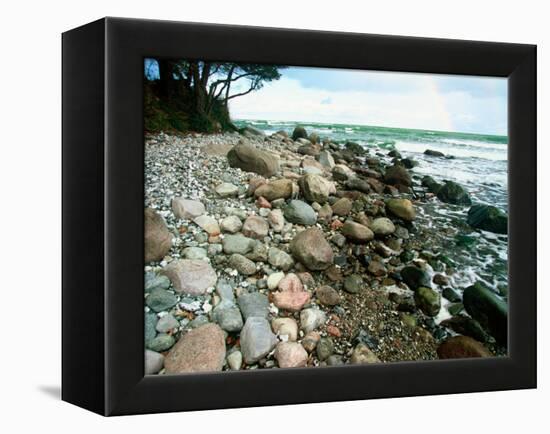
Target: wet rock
x,y
488,309
191,276
409,163
342,207
300,213
353,283
427,300
257,339
433,153
397,175
402,208
327,295
255,227
467,326
157,237
237,244
311,249
280,259
290,355
415,277
208,224
382,226
253,304
231,224
285,327
431,184
451,295
199,350
356,148
315,188
250,159
186,208
488,218
299,133
278,189
451,192
228,316
325,348
154,362
356,232
311,318
459,347
363,354
160,299
226,189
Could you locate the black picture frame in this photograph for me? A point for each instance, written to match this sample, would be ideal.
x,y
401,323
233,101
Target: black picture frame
x,y
102,213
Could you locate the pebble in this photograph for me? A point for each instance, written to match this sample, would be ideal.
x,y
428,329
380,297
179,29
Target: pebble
x,y
235,360
325,348
237,244
167,323
154,362
161,342
257,339
231,224
353,283
242,264
274,279
228,316
207,223
311,318
290,355
227,190
160,299
285,327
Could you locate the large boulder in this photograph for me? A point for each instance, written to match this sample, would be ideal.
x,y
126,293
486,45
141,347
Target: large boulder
x,y
451,192
191,276
200,350
278,189
488,218
250,159
312,249
402,208
459,347
300,213
397,175
488,309
315,188
158,239
299,133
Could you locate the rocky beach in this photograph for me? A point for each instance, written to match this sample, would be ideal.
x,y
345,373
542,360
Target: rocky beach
x,y
289,249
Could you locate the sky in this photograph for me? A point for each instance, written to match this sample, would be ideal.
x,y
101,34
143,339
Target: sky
x,y
390,99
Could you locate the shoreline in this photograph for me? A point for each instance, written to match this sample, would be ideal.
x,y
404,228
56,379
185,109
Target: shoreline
x,y
377,317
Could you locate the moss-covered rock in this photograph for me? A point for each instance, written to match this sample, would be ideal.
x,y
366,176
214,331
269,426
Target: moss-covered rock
x,y
488,218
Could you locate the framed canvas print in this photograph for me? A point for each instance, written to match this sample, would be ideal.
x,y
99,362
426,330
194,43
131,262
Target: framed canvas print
x,y
268,216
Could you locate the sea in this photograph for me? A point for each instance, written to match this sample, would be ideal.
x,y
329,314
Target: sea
x,y
478,163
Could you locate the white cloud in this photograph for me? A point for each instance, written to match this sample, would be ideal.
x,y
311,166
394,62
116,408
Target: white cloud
x,y
423,106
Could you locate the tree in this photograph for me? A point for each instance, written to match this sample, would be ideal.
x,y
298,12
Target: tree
x,y
211,85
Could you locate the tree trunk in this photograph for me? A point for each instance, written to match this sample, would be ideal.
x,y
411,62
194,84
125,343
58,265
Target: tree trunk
x,y
166,77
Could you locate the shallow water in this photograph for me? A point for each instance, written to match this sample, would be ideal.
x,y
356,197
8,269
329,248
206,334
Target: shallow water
x,y
479,164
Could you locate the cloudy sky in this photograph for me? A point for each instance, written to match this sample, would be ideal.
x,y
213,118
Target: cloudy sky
x,y
405,100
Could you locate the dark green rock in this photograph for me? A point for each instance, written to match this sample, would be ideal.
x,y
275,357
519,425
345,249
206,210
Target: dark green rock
x,y
451,295
427,300
488,309
356,148
455,308
467,326
454,193
431,184
409,163
299,133
488,218
415,277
